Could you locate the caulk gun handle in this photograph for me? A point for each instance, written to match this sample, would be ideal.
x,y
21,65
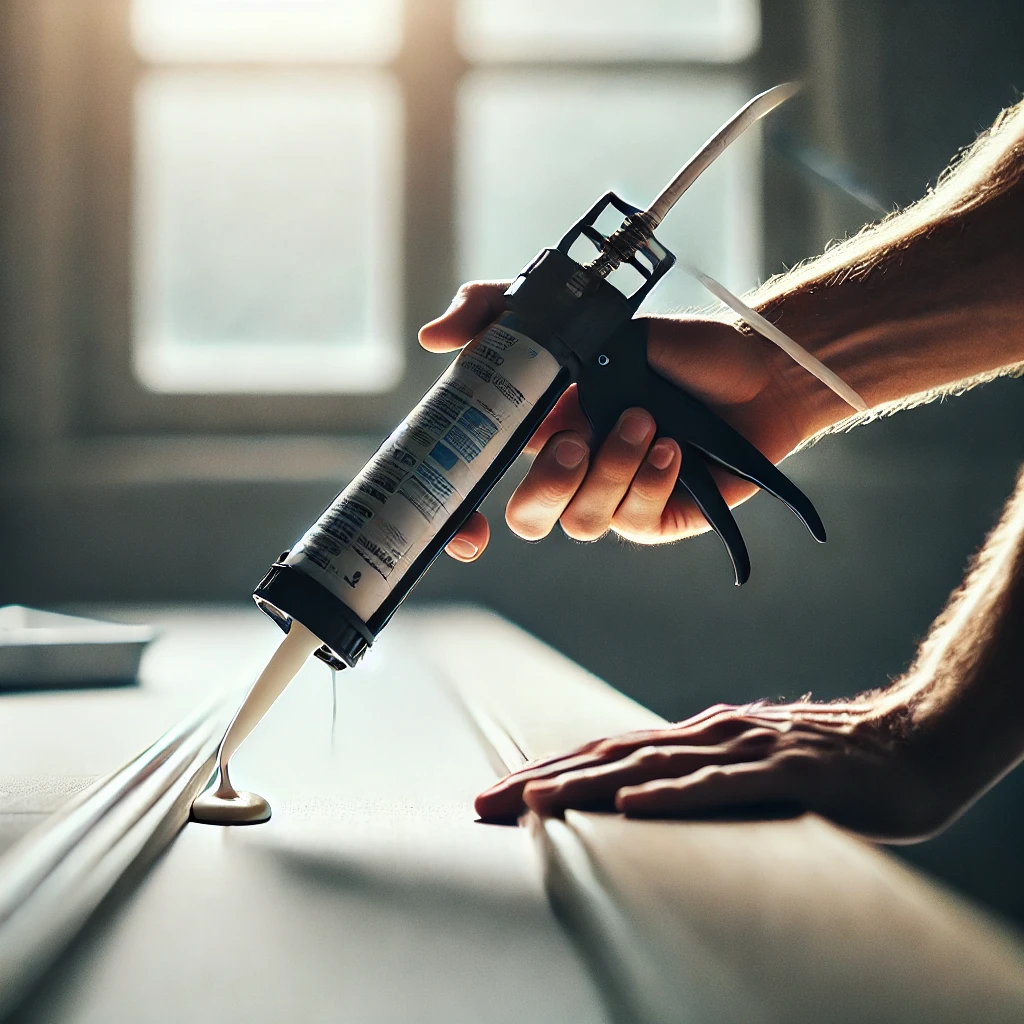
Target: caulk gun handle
x,y
619,377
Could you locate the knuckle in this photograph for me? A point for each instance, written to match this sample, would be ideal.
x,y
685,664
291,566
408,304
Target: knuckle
x,y
615,470
757,737
649,487
717,709
709,773
527,528
641,536
799,763
705,717
682,521
652,755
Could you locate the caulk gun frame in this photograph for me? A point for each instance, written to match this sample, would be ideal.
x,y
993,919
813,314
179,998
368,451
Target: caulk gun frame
x,y
657,260
638,227
564,322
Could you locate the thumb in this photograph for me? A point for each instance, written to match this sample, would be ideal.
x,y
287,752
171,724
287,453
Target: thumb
x,y
475,305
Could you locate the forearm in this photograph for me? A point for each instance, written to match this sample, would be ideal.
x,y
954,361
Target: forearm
x,y
928,301
964,696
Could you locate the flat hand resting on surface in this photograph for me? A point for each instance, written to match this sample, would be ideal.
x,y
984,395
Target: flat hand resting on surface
x,y
851,762
862,764
890,311
895,765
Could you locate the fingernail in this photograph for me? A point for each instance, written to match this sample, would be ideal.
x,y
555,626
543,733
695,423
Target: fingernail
x,y
569,454
661,455
463,548
634,428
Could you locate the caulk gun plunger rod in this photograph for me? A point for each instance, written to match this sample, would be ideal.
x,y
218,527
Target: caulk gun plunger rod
x,y
713,148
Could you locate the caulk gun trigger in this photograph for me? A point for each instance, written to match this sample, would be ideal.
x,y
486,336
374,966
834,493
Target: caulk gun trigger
x,y
620,378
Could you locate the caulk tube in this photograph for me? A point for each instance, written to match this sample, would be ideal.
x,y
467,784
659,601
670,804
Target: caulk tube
x,y
356,564
416,491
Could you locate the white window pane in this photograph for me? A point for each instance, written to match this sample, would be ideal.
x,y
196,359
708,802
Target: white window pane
x,y
267,232
537,150
224,30
700,30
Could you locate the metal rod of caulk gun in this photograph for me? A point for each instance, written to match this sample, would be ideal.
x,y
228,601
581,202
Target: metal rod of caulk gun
x,y
637,229
760,105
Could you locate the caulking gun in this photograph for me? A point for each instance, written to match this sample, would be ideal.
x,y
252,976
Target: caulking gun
x,y
563,323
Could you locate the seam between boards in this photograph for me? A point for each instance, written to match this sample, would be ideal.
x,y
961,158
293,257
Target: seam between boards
x,y
581,902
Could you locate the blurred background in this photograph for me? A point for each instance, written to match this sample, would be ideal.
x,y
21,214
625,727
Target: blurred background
x,y
222,223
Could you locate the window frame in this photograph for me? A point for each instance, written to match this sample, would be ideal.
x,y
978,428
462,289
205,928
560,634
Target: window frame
x,y
98,392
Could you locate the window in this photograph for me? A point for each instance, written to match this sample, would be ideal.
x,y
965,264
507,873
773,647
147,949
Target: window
x,y
306,181
267,202
276,31
267,232
604,94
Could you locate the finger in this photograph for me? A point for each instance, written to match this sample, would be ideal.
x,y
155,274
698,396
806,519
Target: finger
x,y
720,723
733,715
730,727
469,543
566,415
476,304
504,800
595,788
589,514
714,711
554,478
803,707
641,513
712,788
617,746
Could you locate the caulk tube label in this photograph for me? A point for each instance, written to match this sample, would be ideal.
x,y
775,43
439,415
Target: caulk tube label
x,y
365,542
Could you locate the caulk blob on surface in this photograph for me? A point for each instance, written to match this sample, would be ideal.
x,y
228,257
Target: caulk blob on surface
x,y
225,805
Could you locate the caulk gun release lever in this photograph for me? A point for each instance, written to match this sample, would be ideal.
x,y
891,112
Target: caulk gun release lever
x,y
563,323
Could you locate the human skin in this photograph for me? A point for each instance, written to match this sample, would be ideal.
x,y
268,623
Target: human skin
x,y
896,765
926,303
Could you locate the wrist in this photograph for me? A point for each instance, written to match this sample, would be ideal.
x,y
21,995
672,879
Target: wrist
x,y
961,735
823,319
812,406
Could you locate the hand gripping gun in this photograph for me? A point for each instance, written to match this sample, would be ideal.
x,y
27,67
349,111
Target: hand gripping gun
x,y
563,323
